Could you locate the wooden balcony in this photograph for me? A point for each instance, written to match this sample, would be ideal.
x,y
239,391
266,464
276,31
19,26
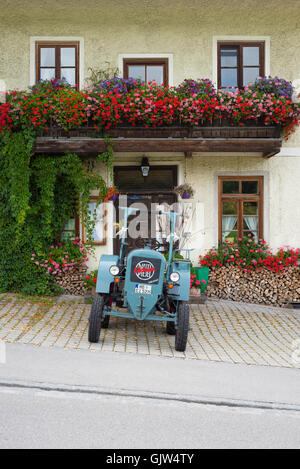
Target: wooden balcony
x,y
212,139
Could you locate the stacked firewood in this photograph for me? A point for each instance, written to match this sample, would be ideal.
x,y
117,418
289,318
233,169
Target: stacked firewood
x,y
72,282
260,286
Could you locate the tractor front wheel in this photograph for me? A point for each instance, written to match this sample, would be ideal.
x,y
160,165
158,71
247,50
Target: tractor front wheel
x,y
183,315
106,318
95,319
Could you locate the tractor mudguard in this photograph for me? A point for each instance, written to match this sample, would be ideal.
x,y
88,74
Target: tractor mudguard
x,y
105,278
181,291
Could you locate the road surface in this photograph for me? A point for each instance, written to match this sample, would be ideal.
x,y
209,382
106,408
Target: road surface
x,y
52,398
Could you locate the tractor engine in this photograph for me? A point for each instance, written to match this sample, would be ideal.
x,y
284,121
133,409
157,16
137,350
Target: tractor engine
x,y
143,281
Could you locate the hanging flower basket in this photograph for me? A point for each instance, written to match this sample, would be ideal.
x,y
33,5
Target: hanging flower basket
x,y
185,195
184,190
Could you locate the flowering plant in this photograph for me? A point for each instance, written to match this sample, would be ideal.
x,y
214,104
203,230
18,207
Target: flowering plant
x,y
273,86
55,84
116,101
190,87
250,255
112,191
184,189
63,257
91,280
194,283
118,85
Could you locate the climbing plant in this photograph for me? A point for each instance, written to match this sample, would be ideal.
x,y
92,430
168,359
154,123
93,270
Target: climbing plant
x,y
38,195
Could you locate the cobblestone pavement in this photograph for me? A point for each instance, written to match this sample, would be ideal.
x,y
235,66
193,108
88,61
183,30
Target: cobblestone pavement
x,y
220,331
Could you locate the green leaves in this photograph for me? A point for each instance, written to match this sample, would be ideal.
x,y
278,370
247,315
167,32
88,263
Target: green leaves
x,y
38,195
17,149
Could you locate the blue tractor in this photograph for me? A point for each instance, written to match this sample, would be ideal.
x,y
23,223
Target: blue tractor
x,y
149,285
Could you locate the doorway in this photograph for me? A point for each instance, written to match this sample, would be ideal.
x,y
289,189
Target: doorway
x,y
157,188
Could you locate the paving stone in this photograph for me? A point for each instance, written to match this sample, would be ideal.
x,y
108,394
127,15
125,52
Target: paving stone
x,y
219,331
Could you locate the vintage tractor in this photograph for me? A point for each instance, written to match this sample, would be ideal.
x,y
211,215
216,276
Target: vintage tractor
x,y
147,285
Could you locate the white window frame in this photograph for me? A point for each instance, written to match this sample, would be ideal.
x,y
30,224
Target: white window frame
x,y
121,58
35,39
216,39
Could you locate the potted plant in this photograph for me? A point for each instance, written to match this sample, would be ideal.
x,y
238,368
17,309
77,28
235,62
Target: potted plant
x,y
199,279
184,190
201,274
195,285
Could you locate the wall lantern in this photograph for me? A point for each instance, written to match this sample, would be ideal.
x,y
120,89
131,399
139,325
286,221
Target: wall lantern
x,y
145,167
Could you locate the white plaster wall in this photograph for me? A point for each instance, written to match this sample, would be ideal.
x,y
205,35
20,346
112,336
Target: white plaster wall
x,y
281,195
185,31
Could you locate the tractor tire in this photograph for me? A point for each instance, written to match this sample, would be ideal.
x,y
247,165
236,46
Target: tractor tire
x,y
170,329
105,322
95,319
183,314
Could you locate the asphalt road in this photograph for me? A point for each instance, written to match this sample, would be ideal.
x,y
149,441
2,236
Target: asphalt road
x,y
53,398
51,419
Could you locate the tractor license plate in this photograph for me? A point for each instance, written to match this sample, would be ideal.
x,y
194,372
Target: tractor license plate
x,y
143,289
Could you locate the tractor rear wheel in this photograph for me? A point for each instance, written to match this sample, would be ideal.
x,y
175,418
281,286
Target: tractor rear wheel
x,y
105,322
183,314
95,319
170,329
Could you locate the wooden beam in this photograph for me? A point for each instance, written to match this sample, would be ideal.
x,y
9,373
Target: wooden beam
x,y
270,154
188,154
188,145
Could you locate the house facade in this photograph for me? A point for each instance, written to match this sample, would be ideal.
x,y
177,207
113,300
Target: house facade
x,y
238,189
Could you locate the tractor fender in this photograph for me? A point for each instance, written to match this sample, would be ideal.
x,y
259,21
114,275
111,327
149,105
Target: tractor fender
x,y
182,290
105,278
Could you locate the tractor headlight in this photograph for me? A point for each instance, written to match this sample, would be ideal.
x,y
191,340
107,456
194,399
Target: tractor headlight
x,y
114,270
174,277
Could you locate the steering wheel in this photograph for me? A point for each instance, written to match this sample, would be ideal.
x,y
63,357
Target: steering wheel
x,y
151,242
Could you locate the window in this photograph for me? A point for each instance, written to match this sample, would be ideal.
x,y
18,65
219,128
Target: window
x,y
97,213
147,70
240,63
70,229
240,208
57,60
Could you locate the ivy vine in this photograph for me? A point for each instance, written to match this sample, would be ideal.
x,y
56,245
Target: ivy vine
x,y
38,195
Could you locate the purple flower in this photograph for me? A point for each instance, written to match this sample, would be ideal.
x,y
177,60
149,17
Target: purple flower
x,y
200,87
275,86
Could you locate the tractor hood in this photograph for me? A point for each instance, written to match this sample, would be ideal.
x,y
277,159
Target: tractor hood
x,y
144,281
